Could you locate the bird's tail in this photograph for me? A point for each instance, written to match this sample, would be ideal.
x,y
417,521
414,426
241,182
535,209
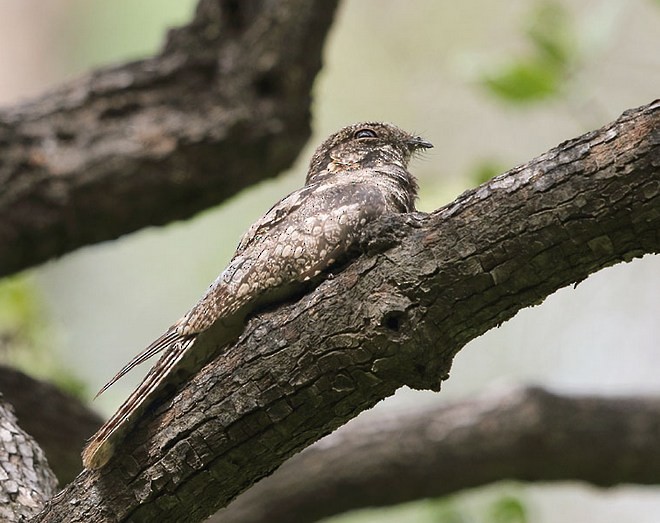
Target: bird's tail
x,y
101,446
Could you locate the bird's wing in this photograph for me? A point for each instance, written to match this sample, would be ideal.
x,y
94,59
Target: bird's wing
x,y
224,297
277,213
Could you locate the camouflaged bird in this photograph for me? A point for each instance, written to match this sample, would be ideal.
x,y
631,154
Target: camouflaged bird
x,y
355,176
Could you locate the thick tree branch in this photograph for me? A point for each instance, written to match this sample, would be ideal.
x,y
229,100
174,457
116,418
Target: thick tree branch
x,y
524,434
396,316
26,481
58,422
225,104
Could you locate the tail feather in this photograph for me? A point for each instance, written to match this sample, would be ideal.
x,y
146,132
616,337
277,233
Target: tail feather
x,y
163,342
101,446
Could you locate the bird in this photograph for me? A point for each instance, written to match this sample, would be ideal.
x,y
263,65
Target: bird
x,y
355,176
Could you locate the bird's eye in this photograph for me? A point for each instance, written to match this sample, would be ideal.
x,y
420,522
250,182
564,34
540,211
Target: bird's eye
x,y
365,133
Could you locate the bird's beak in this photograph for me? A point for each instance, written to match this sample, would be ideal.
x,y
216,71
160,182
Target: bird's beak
x,y
417,142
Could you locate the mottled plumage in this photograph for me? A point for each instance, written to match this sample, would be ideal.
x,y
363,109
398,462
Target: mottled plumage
x,y
355,176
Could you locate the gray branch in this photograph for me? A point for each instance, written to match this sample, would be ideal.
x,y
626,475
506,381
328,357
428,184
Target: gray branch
x,y
522,434
426,285
59,423
26,481
224,105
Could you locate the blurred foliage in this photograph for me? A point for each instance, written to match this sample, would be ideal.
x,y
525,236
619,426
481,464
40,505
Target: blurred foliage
x,y
445,510
27,337
498,505
544,70
508,509
485,169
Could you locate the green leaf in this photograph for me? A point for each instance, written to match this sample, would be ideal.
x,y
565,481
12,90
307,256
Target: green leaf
x,y
543,71
524,81
508,510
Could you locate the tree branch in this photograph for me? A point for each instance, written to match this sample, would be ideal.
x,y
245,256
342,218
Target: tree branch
x,y
26,481
59,423
523,434
398,315
224,105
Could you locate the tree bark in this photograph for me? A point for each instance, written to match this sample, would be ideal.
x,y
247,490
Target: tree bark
x,y
224,105
521,434
26,481
58,422
527,434
426,285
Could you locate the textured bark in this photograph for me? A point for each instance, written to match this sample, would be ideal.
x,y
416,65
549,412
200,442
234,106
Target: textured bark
x,y
58,422
396,316
26,481
524,434
224,105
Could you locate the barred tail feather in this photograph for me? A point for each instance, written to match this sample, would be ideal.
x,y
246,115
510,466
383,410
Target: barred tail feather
x,y
165,341
101,446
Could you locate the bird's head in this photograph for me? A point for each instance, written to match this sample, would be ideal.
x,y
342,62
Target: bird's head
x,y
365,145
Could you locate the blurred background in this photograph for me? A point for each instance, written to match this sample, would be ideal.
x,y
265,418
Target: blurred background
x,y
491,84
